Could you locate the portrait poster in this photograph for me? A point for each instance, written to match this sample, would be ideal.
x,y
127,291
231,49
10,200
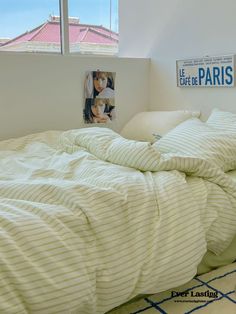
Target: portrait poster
x,y
99,97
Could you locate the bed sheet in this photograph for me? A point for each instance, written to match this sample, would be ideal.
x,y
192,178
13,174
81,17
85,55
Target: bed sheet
x,y
89,220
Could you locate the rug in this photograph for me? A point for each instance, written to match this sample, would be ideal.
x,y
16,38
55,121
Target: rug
x,y
211,293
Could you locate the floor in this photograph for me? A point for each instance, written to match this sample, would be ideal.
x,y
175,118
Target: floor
x,y
211,293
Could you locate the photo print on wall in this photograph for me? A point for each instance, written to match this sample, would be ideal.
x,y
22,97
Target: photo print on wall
x,y
99,91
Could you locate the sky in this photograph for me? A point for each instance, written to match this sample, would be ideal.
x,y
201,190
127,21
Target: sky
x,y
19,16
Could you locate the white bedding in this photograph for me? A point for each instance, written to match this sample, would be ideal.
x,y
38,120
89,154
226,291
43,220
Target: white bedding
x,y
90,220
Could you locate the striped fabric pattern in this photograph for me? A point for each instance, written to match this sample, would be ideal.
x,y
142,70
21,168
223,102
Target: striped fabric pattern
x,y
110,146
84,229
222,120
198,139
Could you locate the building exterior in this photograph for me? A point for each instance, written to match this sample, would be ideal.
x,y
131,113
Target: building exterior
x,y
3,40
84,38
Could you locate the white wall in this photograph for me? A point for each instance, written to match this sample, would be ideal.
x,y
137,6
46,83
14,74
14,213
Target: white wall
x,y
141,24
42,92
167,30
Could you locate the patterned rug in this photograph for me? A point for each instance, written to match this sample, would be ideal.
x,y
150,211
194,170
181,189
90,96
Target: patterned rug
x,y
211,293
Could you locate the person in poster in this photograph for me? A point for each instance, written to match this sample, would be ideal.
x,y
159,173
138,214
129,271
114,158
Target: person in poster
x,y
103,84
99,110
99,97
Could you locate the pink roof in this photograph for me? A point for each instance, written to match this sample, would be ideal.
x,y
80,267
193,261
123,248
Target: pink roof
x,y
49,32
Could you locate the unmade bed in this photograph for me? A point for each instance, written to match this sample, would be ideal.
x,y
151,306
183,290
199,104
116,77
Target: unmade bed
x,y
89,220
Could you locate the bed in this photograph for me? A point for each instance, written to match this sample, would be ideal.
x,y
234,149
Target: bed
x,y
211,261
89,220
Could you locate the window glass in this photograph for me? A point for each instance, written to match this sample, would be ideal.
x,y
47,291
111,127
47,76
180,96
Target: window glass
x,y
93,26
30,25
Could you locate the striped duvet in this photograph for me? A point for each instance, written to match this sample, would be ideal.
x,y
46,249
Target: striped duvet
x,y
89,220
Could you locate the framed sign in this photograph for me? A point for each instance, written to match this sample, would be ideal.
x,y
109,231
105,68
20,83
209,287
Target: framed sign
x,y
206,72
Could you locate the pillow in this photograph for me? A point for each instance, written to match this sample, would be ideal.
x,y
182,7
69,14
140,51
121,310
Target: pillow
x,y
142,126
195,138
222,120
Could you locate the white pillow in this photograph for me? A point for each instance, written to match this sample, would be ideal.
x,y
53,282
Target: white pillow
x,y
195,138
222,120
144,124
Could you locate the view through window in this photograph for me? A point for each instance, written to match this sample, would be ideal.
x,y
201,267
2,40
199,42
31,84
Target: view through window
x,y
93,26
27,26
34,26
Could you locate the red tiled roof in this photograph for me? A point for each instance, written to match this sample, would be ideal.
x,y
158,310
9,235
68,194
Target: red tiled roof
x,y
49,32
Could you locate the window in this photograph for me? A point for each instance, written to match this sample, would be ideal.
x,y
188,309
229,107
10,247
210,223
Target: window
x,y
34,26
30,26
93,26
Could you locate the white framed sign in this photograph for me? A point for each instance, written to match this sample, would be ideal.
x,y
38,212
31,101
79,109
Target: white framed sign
x,y
206,72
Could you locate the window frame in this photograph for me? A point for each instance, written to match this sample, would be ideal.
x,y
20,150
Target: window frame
x,y
64,24
64,36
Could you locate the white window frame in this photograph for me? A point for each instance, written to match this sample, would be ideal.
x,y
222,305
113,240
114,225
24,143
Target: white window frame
x,y
65,42
64,30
